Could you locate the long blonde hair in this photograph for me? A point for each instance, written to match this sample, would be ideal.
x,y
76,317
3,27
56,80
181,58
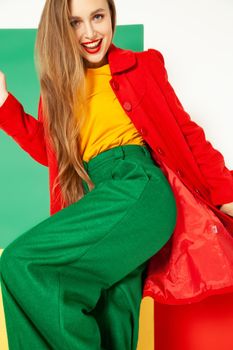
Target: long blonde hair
x,y
61,74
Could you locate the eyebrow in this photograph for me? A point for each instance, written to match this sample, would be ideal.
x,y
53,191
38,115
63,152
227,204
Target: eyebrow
x,y
92,13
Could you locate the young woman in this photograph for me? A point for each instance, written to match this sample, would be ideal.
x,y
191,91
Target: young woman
x,y
108,123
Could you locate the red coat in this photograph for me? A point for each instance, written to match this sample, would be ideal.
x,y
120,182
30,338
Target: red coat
x,y
140,82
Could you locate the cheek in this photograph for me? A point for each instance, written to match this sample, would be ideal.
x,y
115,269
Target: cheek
x,y
78,35
107,28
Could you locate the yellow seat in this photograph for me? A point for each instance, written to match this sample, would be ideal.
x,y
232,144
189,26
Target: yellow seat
x,y
3,336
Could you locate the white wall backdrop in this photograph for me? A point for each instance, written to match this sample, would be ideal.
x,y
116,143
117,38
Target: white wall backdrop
x,y
195,38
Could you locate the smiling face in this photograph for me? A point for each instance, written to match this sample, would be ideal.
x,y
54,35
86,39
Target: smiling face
x,y
91,20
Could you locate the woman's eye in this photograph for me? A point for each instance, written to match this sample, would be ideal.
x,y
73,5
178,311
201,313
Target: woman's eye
x,y
102,16
74,23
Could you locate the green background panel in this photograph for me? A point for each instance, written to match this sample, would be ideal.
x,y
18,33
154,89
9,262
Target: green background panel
x,y
24,187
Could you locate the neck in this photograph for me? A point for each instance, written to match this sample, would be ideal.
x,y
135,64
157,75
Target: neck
x,y
97,64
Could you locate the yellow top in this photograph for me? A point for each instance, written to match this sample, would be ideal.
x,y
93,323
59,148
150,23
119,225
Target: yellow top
x,y
106,124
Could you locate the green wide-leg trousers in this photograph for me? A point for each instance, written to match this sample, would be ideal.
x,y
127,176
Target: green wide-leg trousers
x,y
74,281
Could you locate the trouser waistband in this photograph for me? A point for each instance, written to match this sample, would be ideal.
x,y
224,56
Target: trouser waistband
x,y
115,152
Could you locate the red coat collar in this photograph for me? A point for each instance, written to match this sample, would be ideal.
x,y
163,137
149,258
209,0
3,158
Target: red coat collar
x,y
120,59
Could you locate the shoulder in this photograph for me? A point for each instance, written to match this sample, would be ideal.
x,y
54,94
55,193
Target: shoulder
x,y
153,63
118,53
124,59
151,55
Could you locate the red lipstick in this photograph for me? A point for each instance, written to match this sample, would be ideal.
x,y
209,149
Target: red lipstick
x,y
95,49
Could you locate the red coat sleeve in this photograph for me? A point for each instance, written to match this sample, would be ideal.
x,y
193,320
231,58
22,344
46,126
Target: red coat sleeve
x,y
27,131
209,160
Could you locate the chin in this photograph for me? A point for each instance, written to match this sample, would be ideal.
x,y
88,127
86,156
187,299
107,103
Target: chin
x,y
95,63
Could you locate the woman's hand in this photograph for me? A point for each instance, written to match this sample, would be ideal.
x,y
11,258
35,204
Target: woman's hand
x,y
227,208
3,89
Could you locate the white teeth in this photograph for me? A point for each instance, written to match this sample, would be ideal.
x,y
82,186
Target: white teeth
x,y
92,45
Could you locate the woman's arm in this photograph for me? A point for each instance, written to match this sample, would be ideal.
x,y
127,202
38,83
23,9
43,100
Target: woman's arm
x,y
210,161
27,131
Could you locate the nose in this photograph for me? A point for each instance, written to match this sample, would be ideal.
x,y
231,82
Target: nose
x,y
90,32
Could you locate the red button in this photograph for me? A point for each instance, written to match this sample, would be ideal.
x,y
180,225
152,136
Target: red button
x,y
160,151
197,190
127,106
115,85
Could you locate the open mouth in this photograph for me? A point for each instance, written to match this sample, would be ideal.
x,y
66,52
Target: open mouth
x,y
93,47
